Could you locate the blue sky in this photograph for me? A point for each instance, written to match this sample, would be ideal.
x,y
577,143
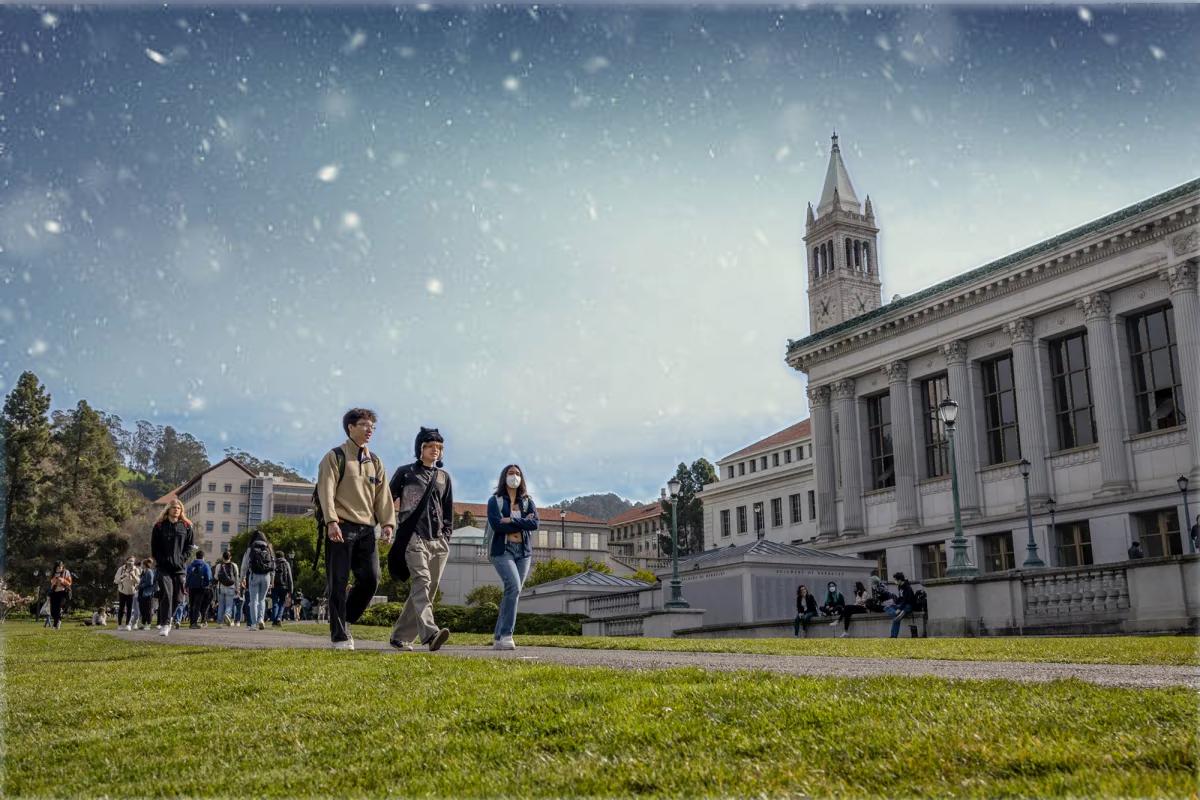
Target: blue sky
x,y
567,237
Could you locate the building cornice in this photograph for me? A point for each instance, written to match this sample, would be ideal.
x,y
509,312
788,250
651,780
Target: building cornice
x,y
1151,220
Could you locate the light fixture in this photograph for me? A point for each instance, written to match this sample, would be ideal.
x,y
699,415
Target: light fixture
x,y
1182,483
1024,465
948,412
673,486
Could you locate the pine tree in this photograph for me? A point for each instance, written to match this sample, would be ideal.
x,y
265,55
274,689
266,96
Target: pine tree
x,y
689,509
25,431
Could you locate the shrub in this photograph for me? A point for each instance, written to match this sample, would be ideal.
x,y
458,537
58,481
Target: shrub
x,y
486,593
552,570
645,575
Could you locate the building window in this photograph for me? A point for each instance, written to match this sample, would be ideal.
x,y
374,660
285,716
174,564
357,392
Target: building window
x,y
777,512
998,552
244,488
880,559
242,526
742,468
208,525
933,560
937,453
725,523
1073,416
211,505
1000,410
794,502
759,521
812,504
775,459
730,470
228,488
241,508
879,431
224,527
800,452
753,465
1155,370
212,487
787,456
1074,541
227,507
741,519
1160,533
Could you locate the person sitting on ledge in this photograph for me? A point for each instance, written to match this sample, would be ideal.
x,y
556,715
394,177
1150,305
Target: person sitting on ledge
x,y
806,610
1135,550
834,603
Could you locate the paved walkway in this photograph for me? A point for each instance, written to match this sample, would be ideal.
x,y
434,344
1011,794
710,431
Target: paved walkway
x,y
816,666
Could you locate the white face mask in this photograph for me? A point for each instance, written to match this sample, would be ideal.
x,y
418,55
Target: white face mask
x,y
513,481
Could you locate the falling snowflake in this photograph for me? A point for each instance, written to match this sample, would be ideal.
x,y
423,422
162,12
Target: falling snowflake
x,y
155,56
351,221
512,83
1158,53
1085,14
196,403
52,226
434,286
595,64
357,40
328,173
49,20
38,348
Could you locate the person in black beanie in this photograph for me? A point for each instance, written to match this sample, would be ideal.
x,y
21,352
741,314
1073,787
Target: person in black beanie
x,y
424,498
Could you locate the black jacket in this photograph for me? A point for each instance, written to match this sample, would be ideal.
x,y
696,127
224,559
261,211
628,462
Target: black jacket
x,y
171,545
907,596
408,484
810,606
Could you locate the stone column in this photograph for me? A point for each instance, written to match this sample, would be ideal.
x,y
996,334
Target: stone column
x,y
903,458
1106,393
1031,423
967,462
822,433
1181,279
849,444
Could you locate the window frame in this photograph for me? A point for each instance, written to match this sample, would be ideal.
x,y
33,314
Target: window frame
x,y
881,446
741,520
776,512
1067,408
1169,541
996,429
992,554
938,549
796,508
726,524
1140,358
1079,547
934,389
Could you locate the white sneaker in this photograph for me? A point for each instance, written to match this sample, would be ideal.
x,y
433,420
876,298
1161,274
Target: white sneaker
x,y
346,645
843,635
165,631
505,643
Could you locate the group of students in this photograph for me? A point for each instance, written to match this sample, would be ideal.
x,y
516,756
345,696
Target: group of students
x,y
878,599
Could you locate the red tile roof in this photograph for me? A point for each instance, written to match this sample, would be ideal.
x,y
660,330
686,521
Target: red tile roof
x,y
637,514
479,511
801,430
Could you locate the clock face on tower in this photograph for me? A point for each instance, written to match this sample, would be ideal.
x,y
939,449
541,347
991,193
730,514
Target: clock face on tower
x,y
823,309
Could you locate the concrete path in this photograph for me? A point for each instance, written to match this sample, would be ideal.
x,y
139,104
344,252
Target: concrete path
x,y
1139,677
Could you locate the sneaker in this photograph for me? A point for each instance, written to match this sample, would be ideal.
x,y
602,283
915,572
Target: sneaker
x,y
832,624
505,643
843,634
436,641
228,621
346,645
165,631
402,646
261,626
174,624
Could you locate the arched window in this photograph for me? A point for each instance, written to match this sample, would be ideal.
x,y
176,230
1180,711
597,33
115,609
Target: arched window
x,y
816,263
849,257
866,248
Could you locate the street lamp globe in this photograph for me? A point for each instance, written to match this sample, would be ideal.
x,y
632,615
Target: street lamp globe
x,y
1051,504
673,486
948,412
1024,465
1182,483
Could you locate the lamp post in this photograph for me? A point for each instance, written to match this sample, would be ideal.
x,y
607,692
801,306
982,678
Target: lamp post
x,y
562,526
1031,560
676,600
960,565
1182,483
1051,506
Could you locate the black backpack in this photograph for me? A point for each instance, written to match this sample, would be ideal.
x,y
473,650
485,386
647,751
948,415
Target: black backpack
x,y
922,603
225,574
318,512
283,576
261,562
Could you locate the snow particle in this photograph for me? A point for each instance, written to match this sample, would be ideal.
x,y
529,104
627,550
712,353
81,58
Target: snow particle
x,y
357,40
595,64
328,173
1158,53
434,286
512,83
49,20
155,56
1085,14
52,226
38,348
351,221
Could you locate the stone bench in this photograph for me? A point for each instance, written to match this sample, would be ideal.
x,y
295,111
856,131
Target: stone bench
x,y
862,626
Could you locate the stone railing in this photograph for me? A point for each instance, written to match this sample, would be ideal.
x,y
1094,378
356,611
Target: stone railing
x,y
631,626
1090,591
614,605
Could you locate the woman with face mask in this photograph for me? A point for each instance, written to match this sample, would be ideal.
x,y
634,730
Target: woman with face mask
x,y
511,517
126,580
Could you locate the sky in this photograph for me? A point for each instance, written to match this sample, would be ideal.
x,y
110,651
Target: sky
x,y
567,237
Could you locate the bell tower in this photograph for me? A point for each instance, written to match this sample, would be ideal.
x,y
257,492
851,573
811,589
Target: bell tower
x,y
841,243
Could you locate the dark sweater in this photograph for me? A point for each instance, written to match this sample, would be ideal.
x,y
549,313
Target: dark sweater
x,y
171,544
408,485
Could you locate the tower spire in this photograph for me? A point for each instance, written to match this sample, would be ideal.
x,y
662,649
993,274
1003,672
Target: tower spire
x,y
837,181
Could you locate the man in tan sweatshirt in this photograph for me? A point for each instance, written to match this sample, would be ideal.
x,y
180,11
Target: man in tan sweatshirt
x,y
353,504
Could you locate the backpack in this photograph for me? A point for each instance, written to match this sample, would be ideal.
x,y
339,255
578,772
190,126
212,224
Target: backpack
x,y
196,579
922,603
261,562
146,586
282,575
225,574
319,513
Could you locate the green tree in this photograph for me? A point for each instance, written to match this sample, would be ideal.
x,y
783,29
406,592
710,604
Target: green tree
x,y
465,520
552,570
178,456
486,593
263,467
689,508
143,444
645,575
25,431
296,538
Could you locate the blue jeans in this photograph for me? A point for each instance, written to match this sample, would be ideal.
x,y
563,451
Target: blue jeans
x,y
898,613
513,569
256,588
237,608
278,598
226,600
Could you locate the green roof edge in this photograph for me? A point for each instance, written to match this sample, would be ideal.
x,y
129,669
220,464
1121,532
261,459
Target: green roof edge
x,y
966,277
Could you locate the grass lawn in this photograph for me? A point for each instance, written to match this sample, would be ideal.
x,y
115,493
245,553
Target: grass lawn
x,y
87,714
1150,650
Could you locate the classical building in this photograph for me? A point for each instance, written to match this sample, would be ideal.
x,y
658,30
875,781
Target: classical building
x,y
557,529
634,533
1080,354
766,490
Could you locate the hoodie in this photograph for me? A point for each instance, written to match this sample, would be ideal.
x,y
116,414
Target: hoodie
x,y
171,544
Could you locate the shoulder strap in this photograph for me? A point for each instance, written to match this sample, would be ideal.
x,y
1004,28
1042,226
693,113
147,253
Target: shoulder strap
x,y
339,455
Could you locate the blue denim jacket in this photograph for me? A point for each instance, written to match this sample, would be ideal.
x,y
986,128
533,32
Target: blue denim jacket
x,y
500,507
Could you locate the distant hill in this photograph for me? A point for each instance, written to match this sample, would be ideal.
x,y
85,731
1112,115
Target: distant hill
x,y
597,506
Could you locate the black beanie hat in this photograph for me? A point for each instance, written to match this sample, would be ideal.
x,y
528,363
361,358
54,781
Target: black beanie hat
x,y
427,435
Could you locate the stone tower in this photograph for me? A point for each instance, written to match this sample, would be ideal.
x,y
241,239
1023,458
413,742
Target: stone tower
x,y
841,241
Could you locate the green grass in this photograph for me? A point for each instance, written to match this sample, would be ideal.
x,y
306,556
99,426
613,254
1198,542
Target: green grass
x,y
87,714
1149,650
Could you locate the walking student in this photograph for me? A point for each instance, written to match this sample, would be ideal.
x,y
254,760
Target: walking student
x,y
60,589
170,544
511,517
424,500
199,579
281,588
128,575
146,589
353,495
227,578
258,565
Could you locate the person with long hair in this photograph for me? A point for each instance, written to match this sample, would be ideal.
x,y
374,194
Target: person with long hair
x,y
512,516
806,610
859,606
170,545
60,589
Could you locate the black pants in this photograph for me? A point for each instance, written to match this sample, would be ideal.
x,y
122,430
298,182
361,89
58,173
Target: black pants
x,y
144,604
198,600
124,608
361,557
170,595
848,612
57,600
